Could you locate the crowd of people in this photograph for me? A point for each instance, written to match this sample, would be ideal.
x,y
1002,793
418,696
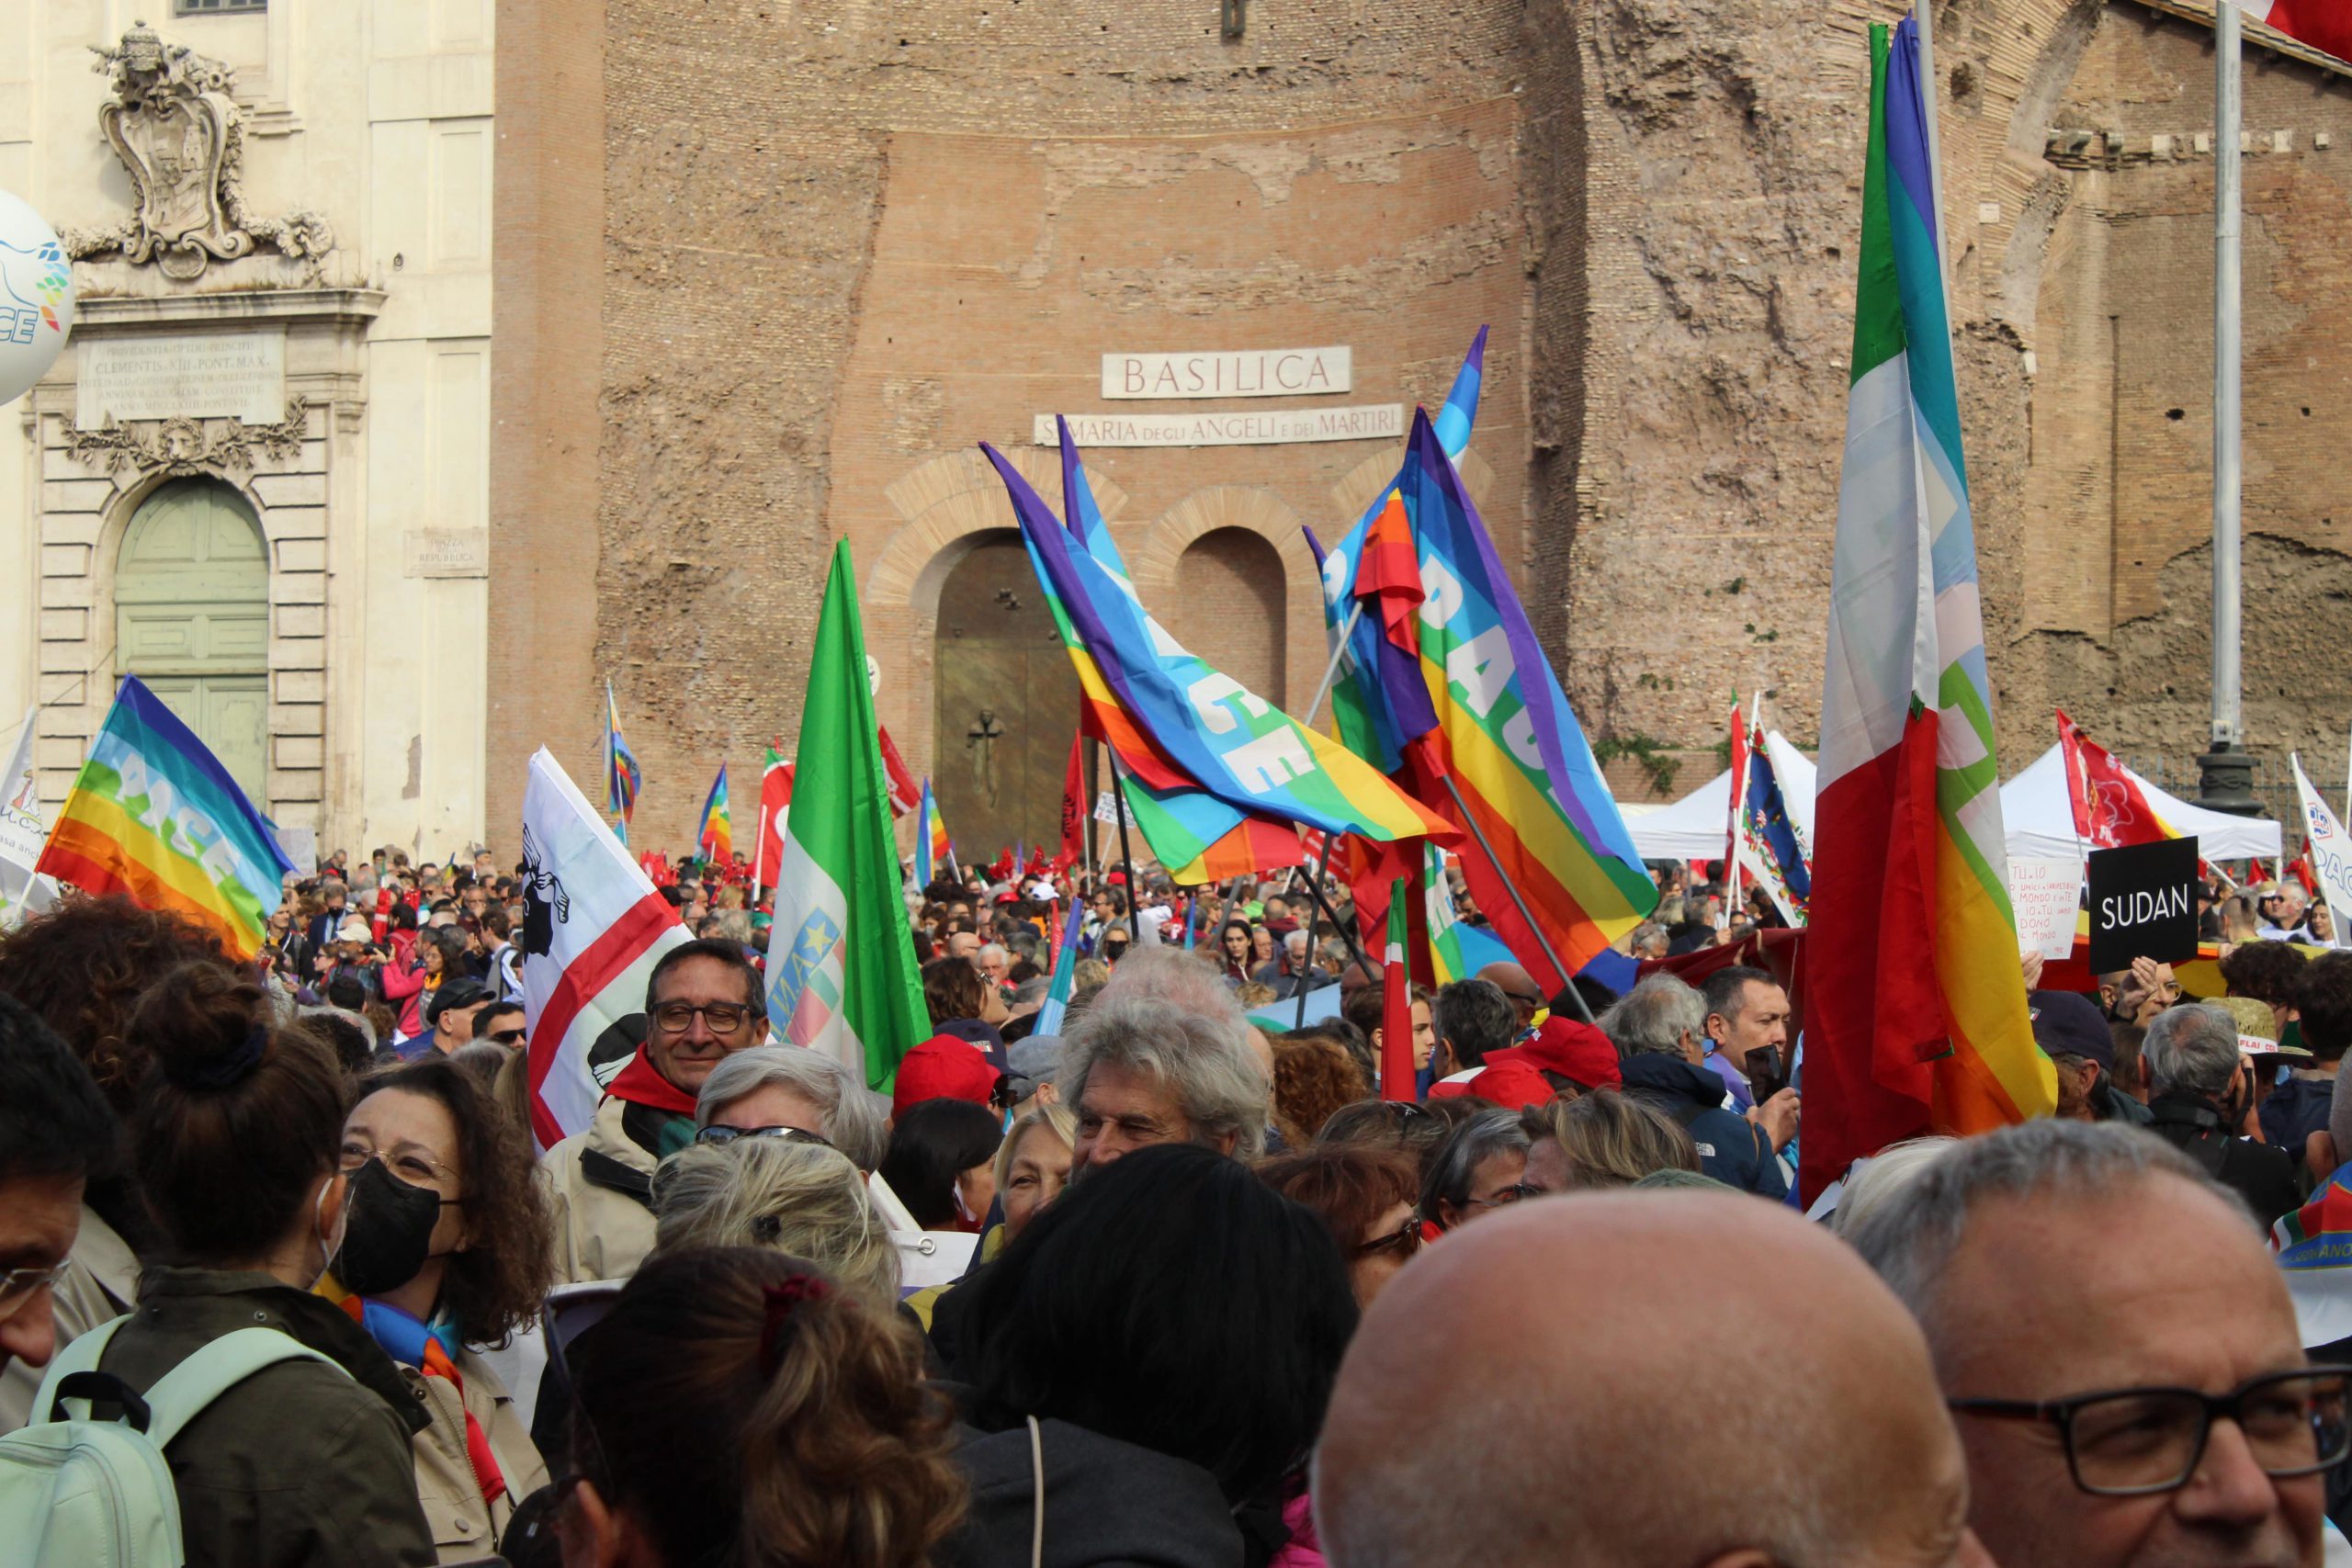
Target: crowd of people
x,y
1230,1300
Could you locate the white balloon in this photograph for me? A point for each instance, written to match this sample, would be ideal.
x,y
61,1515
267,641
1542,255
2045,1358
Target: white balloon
x,y
36,298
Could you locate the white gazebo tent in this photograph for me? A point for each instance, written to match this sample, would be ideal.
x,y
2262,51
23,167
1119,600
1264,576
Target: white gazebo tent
x,y
1697,826
2040,822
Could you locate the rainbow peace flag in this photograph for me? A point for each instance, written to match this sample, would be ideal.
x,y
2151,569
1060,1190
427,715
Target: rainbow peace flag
x,y
933,852
623,779
155,817
716,837
1914,1011
1181,725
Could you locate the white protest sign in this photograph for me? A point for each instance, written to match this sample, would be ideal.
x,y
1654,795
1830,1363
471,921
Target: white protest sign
x,y
2330,853
2046,891
21,833
1106,809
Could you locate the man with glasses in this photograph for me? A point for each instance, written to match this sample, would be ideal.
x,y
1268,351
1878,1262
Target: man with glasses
x,y
1480,1167
2118,1348
501,1023
703,1003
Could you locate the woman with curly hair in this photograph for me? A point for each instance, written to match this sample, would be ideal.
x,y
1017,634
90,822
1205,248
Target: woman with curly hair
x,y
449,1246
737,1406
1314,1075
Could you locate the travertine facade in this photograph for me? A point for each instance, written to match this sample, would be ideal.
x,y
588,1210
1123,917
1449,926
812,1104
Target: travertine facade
x,y
840,245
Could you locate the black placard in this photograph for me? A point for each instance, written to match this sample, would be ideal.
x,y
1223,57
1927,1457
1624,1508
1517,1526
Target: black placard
x,y
2144,904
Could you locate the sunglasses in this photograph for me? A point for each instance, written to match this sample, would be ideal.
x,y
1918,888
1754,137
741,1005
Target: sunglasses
x,y
1404,1242
719,1137
506,1036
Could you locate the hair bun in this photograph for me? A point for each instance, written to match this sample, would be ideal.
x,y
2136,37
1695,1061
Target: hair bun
x,y
207,1026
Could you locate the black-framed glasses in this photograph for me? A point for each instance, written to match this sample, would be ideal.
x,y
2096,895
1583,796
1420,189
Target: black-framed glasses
x,y
721,1017
2130,1442
719,1137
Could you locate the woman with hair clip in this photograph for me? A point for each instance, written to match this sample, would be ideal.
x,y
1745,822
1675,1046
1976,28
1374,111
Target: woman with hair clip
x,y
737,1406
305,1461
449,1244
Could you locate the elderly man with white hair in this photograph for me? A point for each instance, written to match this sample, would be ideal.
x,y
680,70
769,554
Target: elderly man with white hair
x,y
2203,1106
1163,1056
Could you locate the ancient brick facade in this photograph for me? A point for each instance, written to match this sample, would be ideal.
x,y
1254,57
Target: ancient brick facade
x,y
811,254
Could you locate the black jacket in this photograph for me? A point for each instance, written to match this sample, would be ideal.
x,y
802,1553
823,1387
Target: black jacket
x,y
2262,1176
1732,1149
1107,1502
2296,1109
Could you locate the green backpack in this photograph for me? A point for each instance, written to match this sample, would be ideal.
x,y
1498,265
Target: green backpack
x,y
97,1494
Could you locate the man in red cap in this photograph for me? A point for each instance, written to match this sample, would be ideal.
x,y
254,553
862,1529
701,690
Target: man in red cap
x,y
1569,1054
942,1068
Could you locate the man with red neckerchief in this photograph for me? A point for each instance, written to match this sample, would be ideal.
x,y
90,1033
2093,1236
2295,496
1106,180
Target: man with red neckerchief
x,y
702,1002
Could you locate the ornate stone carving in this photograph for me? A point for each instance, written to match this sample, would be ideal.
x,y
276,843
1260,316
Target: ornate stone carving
x,y
181,448
178,130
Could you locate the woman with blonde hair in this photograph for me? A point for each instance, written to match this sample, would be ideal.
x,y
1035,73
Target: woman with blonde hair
x,y
1602,1140
794,1195
1031,1167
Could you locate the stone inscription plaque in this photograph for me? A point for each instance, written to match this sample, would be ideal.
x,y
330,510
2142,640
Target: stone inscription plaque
x,y
445,552
1374,422
1231,372
193,376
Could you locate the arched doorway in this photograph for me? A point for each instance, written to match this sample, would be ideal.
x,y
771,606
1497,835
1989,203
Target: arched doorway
x,y
1228,608
191,596
1005,702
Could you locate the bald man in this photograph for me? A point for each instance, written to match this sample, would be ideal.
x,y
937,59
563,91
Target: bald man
x,y
2057,1260
1526,997
1601,1430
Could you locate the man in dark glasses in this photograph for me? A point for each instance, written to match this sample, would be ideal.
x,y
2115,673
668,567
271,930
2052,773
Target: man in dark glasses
x,y
2119,1350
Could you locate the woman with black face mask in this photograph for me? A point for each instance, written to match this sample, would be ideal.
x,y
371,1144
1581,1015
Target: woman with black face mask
x,y
447,1247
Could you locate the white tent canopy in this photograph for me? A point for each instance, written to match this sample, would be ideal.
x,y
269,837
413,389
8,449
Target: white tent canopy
x,y
2034,813
2039,821
1697,826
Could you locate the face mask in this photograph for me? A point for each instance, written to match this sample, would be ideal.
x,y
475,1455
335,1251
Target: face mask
x,y
387,1231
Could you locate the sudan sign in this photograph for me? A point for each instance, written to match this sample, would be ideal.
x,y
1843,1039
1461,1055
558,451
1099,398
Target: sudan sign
x,y
2144,904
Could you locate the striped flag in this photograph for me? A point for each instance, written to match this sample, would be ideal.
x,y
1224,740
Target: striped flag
x,y
842,975
934,854
1915,1011
622,778
593,928
155,818
716,837
1050,1017
1398,1074
775,805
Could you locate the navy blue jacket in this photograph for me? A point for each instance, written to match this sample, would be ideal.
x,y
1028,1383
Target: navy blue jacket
x,y
1732,1149
2296,1109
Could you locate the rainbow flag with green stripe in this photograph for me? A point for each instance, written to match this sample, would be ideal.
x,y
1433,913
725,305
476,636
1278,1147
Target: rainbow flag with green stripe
x,y
1915,1012
155,818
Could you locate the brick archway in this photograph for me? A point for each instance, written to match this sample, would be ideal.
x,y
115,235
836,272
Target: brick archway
x,y
1157,565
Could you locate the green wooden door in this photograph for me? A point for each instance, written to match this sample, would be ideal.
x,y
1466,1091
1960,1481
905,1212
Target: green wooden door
x,y
191,595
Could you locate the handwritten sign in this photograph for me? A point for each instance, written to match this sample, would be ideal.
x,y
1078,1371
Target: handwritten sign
x,y
2046,891
1235,372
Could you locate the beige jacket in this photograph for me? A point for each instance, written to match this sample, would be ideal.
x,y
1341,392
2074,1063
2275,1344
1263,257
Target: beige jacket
x,y
100,1284
600,1232
465,1527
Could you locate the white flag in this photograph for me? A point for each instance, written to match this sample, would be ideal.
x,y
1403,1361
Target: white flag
x,y
593,930
21,833
2330,855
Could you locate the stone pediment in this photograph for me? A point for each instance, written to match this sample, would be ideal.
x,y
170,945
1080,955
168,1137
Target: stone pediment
x,y
174,123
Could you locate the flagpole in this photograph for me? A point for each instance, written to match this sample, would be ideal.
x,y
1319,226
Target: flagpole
x,y
1332,670
1315,888
1569,982
1126,856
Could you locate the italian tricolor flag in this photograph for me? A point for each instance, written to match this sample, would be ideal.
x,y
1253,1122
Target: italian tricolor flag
x,y
841,974
1916,1014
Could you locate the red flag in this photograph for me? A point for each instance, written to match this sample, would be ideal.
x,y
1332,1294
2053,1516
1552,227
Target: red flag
x,y
905,794
2110,810
1074,802
1396,1072
775,797
1391,574
1738,794
2323,24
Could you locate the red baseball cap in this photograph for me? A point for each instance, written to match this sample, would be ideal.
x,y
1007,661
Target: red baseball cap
x,y
1570,1048
942,1068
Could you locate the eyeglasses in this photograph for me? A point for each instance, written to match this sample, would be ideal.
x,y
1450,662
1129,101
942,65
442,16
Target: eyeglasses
x,y
719,1137
722,1018
506,1036
2130,1442
1512,1195
19,1286
1404,1242
411,1165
